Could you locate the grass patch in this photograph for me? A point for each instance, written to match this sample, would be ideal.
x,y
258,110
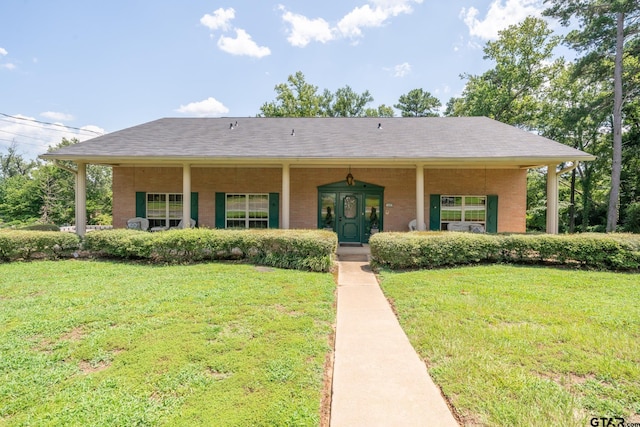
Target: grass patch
x,y
526,346
98,343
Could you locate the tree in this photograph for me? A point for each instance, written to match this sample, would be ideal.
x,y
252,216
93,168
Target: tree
x,y
508,92
418,103
297,98
382,111
13,163
606,28
346,103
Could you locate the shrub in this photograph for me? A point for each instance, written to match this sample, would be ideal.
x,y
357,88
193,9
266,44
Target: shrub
x,y
41,227
21,244
296,249
430,250
122,243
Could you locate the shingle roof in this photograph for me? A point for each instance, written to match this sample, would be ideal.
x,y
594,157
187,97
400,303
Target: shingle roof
x,y
365,139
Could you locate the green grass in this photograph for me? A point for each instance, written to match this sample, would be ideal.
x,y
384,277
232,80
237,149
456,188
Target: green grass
x,y
524,346
98,343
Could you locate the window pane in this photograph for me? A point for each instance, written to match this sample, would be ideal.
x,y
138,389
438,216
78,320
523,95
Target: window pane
x,y
450,215
349,207
372,211
247,210
328,210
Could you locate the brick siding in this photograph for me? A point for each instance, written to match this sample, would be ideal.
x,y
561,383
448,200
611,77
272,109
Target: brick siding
x,y
509,184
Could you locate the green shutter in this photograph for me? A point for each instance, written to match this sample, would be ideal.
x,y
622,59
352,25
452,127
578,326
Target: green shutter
x,y
492,214
141,204
434,212
220,210
274,210
194,207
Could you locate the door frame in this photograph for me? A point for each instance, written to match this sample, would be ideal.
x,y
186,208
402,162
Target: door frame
x,y
361,190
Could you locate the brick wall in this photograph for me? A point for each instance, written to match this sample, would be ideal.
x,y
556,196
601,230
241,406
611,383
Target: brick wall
x,y
508,184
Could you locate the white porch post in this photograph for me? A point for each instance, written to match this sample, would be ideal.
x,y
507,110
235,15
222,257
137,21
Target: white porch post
x,y
81,199
552,200
420,225
286,194
186,195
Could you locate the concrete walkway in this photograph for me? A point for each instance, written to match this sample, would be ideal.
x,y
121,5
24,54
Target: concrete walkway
x,y
378,378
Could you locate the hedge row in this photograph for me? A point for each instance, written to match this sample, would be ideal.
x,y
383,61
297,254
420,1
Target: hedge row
x,y
19,244
295,249
429,250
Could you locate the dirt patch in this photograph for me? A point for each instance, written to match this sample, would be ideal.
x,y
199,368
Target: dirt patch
x,y
217,375
262,269
327,389
76,334
88,368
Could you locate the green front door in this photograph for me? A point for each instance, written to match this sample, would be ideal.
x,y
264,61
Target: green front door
x,y
349,217
354,212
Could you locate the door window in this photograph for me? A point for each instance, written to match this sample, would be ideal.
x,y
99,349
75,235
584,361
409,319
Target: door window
x,y
350,207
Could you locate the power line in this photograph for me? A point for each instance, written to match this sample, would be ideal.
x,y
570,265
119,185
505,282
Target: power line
x,y
50,124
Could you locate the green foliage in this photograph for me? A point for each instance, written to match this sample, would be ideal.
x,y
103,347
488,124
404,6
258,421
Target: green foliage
x,y
508,92
418,103
303,250
41,227
431,250
297,98
632,218
23,244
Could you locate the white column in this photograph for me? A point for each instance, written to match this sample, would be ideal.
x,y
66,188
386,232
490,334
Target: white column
x,y
186,195
286,195
81,200
552,200
420,197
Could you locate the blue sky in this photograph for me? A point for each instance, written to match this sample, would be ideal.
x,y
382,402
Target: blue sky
x,y
104,66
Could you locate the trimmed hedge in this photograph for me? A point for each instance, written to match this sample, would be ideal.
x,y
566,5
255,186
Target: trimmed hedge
x,y
439,249
310,250
23,244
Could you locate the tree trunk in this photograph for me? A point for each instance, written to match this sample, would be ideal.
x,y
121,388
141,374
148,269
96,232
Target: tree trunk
x,y
572,206
616,165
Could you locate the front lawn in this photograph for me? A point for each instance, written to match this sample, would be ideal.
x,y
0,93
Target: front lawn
x,y
101,343
525,346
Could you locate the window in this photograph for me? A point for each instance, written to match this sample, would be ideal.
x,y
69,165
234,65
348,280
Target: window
x,y
455,209
164,209
247,211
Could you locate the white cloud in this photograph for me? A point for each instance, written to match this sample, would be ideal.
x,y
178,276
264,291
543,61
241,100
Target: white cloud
x,y
210,107
242,45
401,70
8,65
61,117
501,14
220,20
305,30
33,138
375,14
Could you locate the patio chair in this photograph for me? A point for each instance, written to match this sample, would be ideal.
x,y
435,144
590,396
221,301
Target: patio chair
x,y
192,223
413,225
138,223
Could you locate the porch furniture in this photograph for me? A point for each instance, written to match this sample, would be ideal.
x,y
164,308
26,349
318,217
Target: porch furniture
x,y
413,225
465,226
138,223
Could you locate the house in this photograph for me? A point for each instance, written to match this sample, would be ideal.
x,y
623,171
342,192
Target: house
x,y
355,176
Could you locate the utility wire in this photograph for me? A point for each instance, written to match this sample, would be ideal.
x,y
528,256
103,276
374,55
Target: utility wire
x,y
50,124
